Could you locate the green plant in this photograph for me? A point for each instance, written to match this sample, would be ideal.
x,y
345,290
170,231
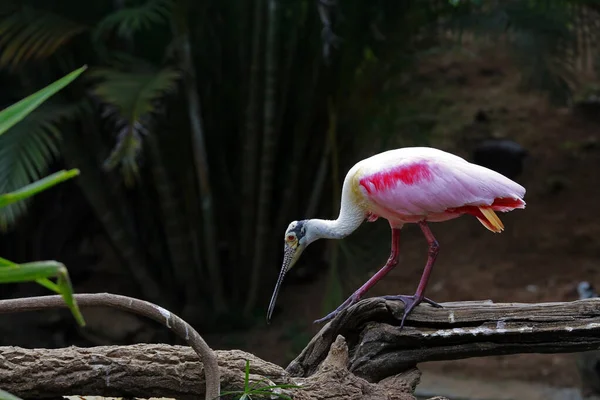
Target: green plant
x,y
255,390
39,271
7,396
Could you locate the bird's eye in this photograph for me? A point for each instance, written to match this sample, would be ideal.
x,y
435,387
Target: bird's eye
x,y
290,238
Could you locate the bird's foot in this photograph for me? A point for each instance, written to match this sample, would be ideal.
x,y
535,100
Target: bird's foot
x,y
410,302
349,301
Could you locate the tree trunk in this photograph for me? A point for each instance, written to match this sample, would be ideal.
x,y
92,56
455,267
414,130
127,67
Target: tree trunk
x,y
251,140
459,330
200,159
177,234
157,370
376,362
301,138
264,214
92,185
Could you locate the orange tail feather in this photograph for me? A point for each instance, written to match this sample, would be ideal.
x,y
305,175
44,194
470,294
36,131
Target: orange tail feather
x,y
490,220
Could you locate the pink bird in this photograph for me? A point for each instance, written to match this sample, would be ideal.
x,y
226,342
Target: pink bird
x,y
408,185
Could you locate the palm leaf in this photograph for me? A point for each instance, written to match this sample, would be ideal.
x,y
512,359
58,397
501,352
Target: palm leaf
x,y
16,112
130,99
26,151
30,34
126,21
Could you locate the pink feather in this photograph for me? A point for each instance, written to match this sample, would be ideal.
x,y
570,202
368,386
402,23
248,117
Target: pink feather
x,y
413,184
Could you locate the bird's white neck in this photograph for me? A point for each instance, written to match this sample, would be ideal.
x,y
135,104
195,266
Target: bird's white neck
x,y
350,218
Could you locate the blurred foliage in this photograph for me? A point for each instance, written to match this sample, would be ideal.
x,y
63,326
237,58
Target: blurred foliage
x,y
12,117
220,115
130,99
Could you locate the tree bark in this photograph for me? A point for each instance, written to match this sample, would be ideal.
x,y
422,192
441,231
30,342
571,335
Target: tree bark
x,y
180,26
177,234
129,304
106,210
378,361
459,330
158,370
264,212
251,139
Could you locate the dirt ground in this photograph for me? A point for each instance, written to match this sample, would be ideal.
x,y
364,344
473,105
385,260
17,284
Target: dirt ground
x,y
543,253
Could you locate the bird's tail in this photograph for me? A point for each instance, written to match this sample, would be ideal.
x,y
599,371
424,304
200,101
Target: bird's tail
x,y
489,219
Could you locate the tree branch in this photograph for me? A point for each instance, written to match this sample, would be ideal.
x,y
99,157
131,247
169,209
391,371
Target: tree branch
x,y
158,370
136,306
459,330
379,365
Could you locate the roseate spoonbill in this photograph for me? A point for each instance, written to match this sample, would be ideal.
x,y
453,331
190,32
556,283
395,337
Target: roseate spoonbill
x,y
408,185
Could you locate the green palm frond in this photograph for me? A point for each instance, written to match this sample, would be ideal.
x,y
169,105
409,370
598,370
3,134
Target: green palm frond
x,y
26,150
126,21
30,34
131,99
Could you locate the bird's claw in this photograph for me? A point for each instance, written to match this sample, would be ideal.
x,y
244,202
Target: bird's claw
x,y
410,302
432,303
349,301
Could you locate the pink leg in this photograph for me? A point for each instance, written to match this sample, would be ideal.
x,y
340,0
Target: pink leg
x,y
391,263
410,302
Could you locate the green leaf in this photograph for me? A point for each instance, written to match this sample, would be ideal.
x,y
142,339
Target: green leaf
x,y
26,152
37,187
29,272
48,284
7,396
40,271
247,375
15,113
66,290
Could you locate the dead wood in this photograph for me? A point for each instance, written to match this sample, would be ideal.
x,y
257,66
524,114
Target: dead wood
x,y
135,306
157,370
378,348
376,361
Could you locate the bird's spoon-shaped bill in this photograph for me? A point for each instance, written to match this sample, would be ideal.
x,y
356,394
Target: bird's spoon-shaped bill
x,y
288,256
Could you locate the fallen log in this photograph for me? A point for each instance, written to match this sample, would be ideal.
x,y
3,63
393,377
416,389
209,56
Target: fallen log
x,y
380,348
159,370
376,360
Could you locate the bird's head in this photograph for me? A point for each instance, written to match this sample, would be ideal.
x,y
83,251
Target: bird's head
x,y
298,235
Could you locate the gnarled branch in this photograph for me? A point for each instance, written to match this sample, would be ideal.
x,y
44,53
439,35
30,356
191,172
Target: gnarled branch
x,y
140,307
158,370
459,330
379,364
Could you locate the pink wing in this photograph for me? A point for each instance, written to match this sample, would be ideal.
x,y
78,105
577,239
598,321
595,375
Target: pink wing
x,y
419,187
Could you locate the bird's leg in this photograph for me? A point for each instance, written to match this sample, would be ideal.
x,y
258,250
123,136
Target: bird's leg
x,y
410,302
391,263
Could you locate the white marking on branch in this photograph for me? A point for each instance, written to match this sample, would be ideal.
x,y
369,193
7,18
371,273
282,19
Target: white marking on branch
x,y
500,326
481,329
166,314
451,317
